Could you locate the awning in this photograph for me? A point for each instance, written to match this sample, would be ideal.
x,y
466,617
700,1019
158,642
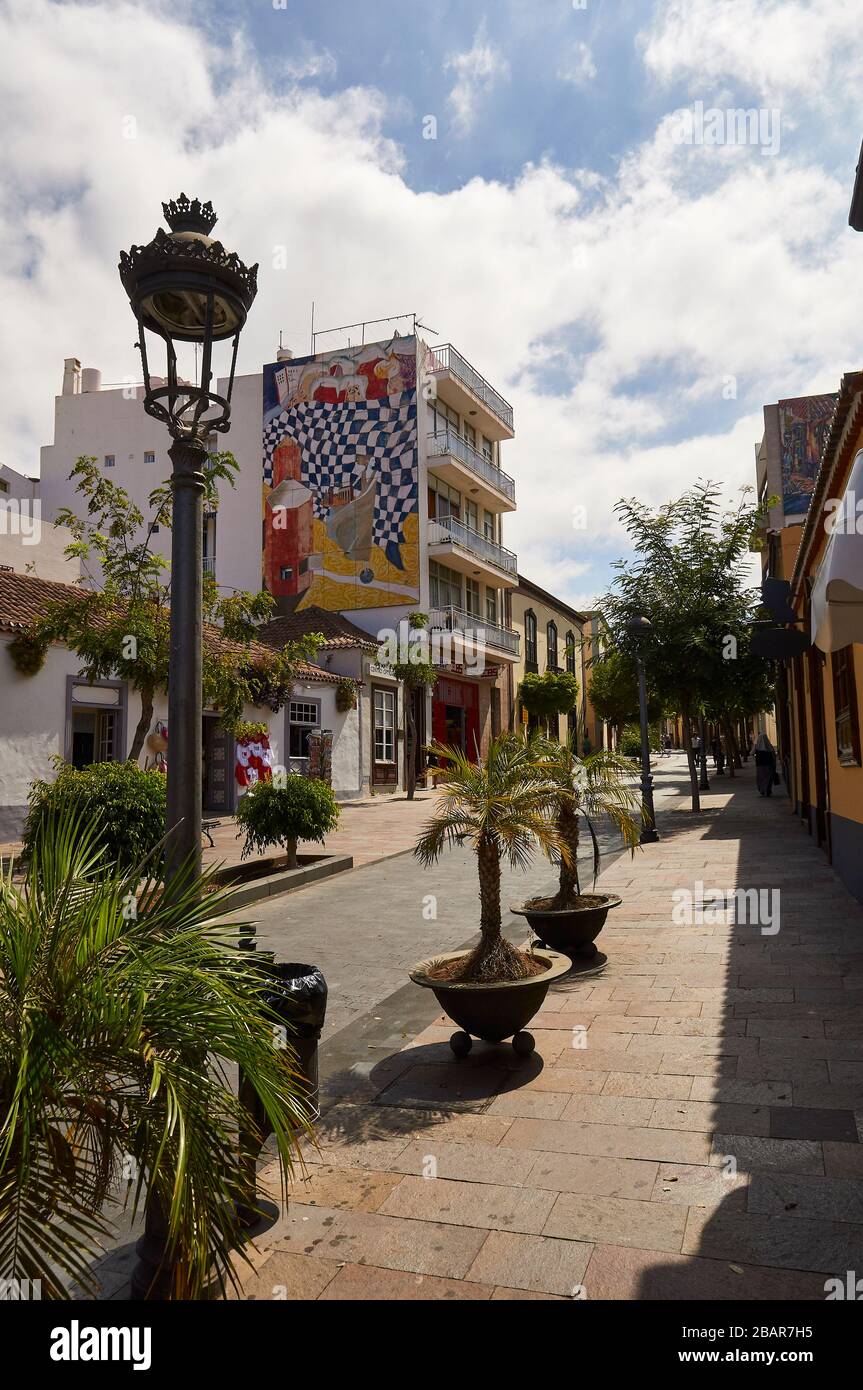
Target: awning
x,y
837,595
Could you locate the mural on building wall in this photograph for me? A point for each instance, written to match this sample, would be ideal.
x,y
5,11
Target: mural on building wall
x,y
341,524
803,426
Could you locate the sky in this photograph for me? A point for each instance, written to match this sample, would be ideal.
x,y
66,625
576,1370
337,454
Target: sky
x,y
555,187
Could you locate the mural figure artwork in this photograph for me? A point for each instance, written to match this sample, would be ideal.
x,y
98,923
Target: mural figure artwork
x,y
803,426
340,473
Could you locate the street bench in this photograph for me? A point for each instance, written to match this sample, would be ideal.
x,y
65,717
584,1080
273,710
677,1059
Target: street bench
x,y
207,827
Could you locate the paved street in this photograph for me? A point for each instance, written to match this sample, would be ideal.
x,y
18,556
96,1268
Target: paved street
x,y
689,1125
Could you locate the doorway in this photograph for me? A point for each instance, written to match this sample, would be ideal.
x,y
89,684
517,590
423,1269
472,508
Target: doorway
x,y
217,791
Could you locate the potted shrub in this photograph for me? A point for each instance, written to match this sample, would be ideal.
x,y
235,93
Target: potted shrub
x,y
106,1016
346,695
286,810
600,784
503,806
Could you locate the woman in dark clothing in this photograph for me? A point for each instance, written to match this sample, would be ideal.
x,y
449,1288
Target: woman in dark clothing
x,y
765,764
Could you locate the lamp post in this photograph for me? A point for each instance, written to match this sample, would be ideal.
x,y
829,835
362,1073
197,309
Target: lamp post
x,y
184,287
638,629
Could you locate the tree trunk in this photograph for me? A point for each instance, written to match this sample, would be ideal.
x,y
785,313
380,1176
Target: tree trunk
x,y
693,772
733,758
410,743
569,887
489,891
291,853
143,725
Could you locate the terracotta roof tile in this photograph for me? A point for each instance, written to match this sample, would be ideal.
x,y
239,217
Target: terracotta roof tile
x,y
338,631
24,598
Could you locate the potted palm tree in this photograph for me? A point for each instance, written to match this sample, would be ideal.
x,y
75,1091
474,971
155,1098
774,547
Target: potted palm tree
x,y
503,806
583,789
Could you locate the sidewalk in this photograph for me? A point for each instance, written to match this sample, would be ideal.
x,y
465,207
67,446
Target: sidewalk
x,y
688,1128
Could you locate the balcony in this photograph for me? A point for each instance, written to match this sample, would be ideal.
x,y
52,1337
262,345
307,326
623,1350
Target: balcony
x,y
486,634
469,388
209,564
454,460
466,550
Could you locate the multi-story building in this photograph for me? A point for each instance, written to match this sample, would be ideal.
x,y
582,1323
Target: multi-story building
x,y
811,459
551,640
370,484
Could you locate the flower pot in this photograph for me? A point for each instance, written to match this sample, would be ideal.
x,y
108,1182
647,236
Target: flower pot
x,y
492,1011
572,929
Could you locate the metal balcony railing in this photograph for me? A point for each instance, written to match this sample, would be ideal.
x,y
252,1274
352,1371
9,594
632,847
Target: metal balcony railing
x,y
209,564
446,528
451,619
447,359
447,442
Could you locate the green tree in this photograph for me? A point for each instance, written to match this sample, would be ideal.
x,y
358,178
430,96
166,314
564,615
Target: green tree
x,y
549,695
688,576
120,629
612,689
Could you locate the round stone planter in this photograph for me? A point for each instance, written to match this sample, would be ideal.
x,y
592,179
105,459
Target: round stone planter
x,y
572,930
494,1011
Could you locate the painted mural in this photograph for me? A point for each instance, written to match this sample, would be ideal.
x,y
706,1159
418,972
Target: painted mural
x,y
340,476
803,426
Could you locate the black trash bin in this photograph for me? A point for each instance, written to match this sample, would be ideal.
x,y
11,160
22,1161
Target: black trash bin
x,y
297,993
300,998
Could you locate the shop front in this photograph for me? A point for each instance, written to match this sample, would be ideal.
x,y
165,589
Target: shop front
x,y
456,714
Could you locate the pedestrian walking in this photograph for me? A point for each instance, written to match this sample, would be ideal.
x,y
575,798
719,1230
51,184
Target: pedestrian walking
x,y
718,750
765,765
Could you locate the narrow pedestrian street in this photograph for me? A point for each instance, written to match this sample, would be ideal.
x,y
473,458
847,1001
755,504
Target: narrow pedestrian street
x,y
688,1127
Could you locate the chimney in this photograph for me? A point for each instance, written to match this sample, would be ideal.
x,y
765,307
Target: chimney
x,y
71,377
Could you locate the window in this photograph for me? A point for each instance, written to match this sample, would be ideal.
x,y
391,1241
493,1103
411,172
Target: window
x,y
472,604
444,586
155,530
149,457
470,434
95,722
488,526
471,515
304,716
551,642
109,460
845,708
447,501
385,725
570,652
488,449
491,606
530,652
444,417
4,486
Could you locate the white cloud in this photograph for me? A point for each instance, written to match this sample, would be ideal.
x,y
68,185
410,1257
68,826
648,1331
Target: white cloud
x,y
782,49
308,61
476,73
579,68
608,310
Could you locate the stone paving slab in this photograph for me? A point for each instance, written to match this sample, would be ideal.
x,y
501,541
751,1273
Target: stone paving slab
x,y
688,1128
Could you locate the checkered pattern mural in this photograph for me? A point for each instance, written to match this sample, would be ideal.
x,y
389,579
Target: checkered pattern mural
x,y
343,444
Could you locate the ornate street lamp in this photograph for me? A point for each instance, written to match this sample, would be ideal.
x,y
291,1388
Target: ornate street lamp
x,y
185,287
639,629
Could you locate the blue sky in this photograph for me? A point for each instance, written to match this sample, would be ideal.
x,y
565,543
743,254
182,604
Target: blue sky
x,y
636,297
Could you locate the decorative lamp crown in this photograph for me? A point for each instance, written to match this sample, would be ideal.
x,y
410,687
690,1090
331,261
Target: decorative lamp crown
x,y
189,215
186,287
